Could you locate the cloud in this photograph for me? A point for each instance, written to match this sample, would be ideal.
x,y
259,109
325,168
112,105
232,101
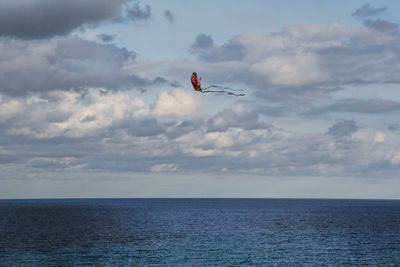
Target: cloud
x,y
136,13
100,123
89,118
334,55
65,64
164,168
369,106
114,132
377,24
51,163
40,19
344,128
67,114
169,16
382,26
394,127
380,137
138,127
202,41
395,159
62,108
236,116
106,37
367,11
208,51
176,103
58,116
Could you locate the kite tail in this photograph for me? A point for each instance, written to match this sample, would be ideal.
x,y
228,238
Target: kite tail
x,y
223,88
221,91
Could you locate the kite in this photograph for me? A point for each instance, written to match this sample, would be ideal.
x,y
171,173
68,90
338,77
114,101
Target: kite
x,y
218,89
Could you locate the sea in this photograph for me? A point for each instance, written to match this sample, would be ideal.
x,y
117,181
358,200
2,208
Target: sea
x,y
199,232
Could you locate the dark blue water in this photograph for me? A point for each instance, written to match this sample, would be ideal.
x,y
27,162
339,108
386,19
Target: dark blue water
x,y
199,232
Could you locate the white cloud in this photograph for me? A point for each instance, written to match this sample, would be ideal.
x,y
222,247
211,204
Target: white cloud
x,y
29,116
283,70
367,137
9,108
303,58
164,168
177,102
94,127
5,152
379,137
395,159
125,134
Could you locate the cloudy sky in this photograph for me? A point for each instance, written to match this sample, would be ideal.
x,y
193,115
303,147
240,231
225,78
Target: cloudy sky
x,y
95,99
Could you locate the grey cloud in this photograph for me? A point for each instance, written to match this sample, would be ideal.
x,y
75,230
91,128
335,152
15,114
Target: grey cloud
x,y
47,18
57,116
118,163
45,153
229,118
65,64
180,128
89,118
275,111
169,16
106,37
334,55
136,13
49,163
159,80
6,159
394,127
291,96
367,10
369,106
136,144
202,41
207,51
382,25
240,142
344,128
142,127
150,127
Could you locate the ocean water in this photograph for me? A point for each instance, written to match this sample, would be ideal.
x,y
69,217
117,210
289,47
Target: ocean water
x,y
199,232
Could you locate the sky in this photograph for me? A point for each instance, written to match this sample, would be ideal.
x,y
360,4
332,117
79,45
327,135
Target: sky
x,y
96,99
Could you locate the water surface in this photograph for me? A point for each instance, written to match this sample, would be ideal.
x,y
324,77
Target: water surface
x,y
199,232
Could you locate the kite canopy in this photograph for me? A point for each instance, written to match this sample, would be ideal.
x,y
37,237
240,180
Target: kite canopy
x,y
196,82
218,89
